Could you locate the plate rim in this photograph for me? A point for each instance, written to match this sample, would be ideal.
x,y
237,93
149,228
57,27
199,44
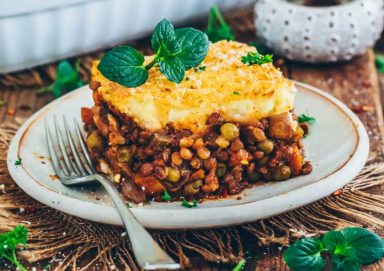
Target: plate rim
x,y
91,211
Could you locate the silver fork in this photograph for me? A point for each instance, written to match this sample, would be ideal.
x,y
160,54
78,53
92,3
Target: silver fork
x,y
73,166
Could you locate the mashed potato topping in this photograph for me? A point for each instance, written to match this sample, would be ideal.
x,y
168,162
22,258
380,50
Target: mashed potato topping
x,y
241,93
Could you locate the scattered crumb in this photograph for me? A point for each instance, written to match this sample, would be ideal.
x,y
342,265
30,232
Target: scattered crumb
x,y
11,111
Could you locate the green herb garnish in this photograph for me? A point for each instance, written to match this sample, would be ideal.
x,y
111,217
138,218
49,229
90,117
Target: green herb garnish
x,y
305,118
239,266
47,266
175,52
236,93
261,48
349,249
8,243
217,29
379,59
67,79
129,204
187,204
256,58
2,103
166,196
18,162
200,68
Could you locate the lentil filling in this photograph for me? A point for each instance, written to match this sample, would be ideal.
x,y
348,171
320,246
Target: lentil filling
x,y
226,159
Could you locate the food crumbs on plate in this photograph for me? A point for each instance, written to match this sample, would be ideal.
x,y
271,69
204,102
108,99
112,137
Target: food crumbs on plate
x,y
337,193
361,108
53,177
11,111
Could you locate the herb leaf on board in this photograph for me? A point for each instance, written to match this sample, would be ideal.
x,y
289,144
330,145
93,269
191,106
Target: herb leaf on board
x,y
217,29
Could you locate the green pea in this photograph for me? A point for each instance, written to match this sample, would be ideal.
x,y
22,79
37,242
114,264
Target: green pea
x,y
173,175
253,177
95,141
282,173
124,155
193,188
266,146
221,169
229,131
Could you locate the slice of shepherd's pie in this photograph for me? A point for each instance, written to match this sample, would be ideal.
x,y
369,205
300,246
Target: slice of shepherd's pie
x,y
225,126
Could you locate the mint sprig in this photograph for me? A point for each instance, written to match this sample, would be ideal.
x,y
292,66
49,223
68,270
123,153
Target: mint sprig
x,y
67,79
349,249
9,242
175,52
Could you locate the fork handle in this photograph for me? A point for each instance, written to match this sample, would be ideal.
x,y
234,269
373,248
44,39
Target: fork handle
x,y
148,254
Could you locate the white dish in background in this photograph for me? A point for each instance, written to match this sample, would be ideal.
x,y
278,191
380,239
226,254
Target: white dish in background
x,y
337,147
35,32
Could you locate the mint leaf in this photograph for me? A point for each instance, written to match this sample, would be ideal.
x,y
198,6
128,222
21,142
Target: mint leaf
x,y
176,51
124,65
305,118
305,254
333,241
193,46
217,29
361,245
163,36
172,68
67,79
256,58
343,264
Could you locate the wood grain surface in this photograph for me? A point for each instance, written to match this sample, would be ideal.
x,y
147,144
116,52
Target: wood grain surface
x,y
355,83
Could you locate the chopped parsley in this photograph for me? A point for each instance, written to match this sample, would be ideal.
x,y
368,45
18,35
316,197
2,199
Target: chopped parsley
x,y
166,196
256,58
239,266
18,162
236,93
47,266
2,103
9,242
187,78
200,68
305,118
129,204
188,204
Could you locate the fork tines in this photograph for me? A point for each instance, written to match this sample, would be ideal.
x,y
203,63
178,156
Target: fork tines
x,y
67,149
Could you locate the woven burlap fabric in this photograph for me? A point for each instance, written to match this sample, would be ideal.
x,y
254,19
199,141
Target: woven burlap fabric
x,y
77,243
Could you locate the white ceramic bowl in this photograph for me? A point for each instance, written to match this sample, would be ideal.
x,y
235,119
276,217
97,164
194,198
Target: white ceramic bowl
x,y
319,34
34,32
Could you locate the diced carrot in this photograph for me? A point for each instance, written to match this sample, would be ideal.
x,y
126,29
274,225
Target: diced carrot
x,y
150,184
87,115
296,161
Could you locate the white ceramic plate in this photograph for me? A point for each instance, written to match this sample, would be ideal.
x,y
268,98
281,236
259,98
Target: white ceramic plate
x,y
337,147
